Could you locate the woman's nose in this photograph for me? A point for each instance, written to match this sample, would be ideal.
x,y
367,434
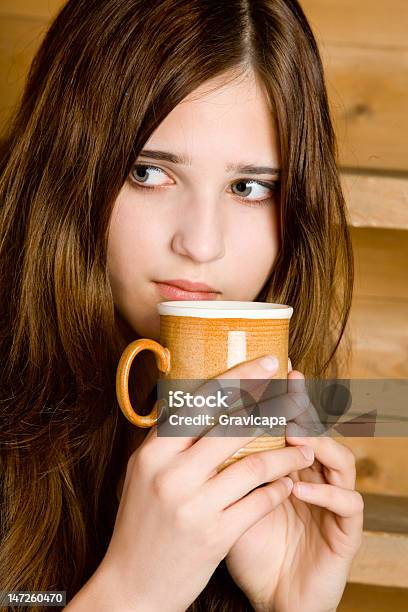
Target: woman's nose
x,y
200,233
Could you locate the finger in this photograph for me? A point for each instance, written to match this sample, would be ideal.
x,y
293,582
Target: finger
x,y
171,442
308,417
249,393
251,471
346,504
338,461
243,514
257,418
226,435
313,473
294,403
219,444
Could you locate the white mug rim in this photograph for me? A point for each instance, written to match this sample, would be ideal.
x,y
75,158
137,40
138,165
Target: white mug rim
x,y
225,309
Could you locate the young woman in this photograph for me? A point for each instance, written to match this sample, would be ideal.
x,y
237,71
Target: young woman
x,y
157,141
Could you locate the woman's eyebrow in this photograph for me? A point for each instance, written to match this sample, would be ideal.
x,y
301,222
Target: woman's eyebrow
x,y
180,159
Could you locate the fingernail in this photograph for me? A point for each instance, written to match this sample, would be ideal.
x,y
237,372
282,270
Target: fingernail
x,y
289,365
288,482
269,363
301,488
307,452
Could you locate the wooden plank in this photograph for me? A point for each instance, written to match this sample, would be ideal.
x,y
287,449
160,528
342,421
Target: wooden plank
x,y
20,39
373,598
32,9
366,22
376,200
386,398
381,559
381,263
379,334
378,464
368,92
388,514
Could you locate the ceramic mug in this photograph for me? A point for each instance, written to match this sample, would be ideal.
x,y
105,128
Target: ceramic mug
x,y
204,338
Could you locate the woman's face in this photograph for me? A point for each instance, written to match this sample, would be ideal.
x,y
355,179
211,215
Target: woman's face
x,y
208,219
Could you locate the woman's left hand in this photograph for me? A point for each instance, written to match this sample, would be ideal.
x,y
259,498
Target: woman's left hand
x,y
298,556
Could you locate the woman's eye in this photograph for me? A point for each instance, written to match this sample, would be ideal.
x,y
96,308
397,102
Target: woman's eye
x,y
258,190
148,176
255,193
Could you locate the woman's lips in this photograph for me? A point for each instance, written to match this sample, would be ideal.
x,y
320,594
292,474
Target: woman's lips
x,y
175,293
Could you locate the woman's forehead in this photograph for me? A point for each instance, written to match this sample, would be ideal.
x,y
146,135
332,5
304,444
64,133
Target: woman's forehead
x,y
221,120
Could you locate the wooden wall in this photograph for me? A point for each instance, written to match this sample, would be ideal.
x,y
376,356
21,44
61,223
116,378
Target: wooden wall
x,y
365,50
364,47
22,26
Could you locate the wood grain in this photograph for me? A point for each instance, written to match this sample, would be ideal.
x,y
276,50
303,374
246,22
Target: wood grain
x,y
378,462
379,315
386,513
364,47
379,344
371,598
381,258
381,560
372,23
20,39
368,92
376,200
38,9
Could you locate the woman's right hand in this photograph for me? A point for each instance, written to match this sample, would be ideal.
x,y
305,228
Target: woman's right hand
x,y
173,527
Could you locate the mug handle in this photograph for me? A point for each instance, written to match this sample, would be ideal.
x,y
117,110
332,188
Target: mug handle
x,y
122,378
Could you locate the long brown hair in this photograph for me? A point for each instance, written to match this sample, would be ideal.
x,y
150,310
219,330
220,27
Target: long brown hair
x,y
106,75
